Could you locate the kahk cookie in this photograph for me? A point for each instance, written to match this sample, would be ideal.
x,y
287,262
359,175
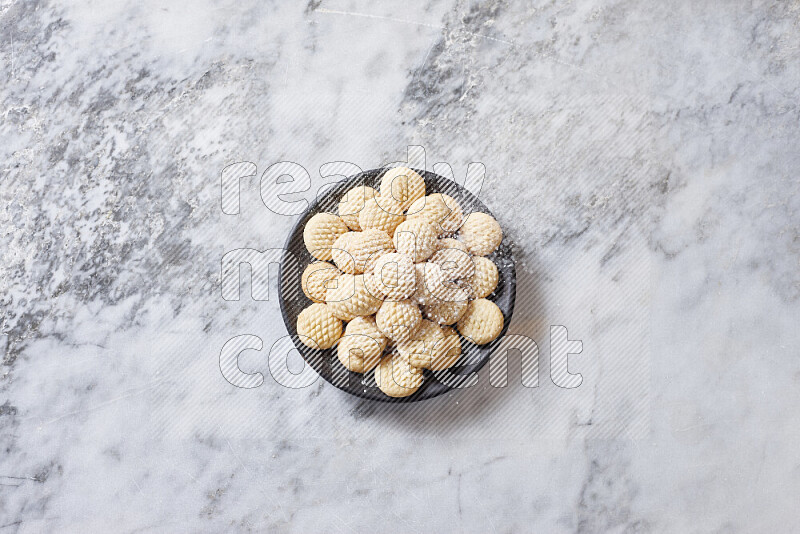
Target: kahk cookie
x,y
350,298
403,185
368,246
482,322
315,279
320,232
440,210
441,287
447,351
392,277
432,348
340,252
352,203
481,233
445,312
485,279
317,327
381,213
396,377
416,238
421,294
456,264
361,346
449,242
398,320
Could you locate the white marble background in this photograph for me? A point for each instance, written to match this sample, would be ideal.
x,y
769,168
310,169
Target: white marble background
x,y
643,157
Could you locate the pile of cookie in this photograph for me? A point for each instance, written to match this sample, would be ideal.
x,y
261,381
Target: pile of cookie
x,y
406,266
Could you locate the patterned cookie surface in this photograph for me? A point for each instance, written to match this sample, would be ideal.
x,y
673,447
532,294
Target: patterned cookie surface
x,y
352,203
315,279
443,312
368,246
485,279
481,233
320,232
447,351
403,185
456,264
421,294
432,348
381,213
398,320
392,277
416,238
396,377
440,287
482,322
449,242
442,211
317,327
350,298
340,252
361,346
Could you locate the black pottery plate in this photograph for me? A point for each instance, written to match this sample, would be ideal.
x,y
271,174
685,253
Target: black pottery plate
x,y
325,362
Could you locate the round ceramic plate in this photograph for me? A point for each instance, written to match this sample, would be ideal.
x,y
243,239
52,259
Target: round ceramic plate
x,y
325,362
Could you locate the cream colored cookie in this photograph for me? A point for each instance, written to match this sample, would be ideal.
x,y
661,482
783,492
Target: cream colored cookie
x,y
361,345
415,238
441,211
350,298
427,332
481,233
320,232
392,276
403,185
396,377
370,281
431,348
449,242
439,286
485,279
315,279
447,351
368,246
482,322
352,203
317,327
340,252
456,264
381,213
421,294
444,312
398,320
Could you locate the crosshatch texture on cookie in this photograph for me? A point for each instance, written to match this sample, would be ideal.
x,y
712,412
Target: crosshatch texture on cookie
x,y
416,238
317,327
352,203
396,377
320,233
362,345
403,185
315,278
481,233
442,211
482,322
393,276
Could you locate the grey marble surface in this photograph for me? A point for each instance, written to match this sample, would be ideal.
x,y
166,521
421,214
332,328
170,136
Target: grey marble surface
x,y
643,157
